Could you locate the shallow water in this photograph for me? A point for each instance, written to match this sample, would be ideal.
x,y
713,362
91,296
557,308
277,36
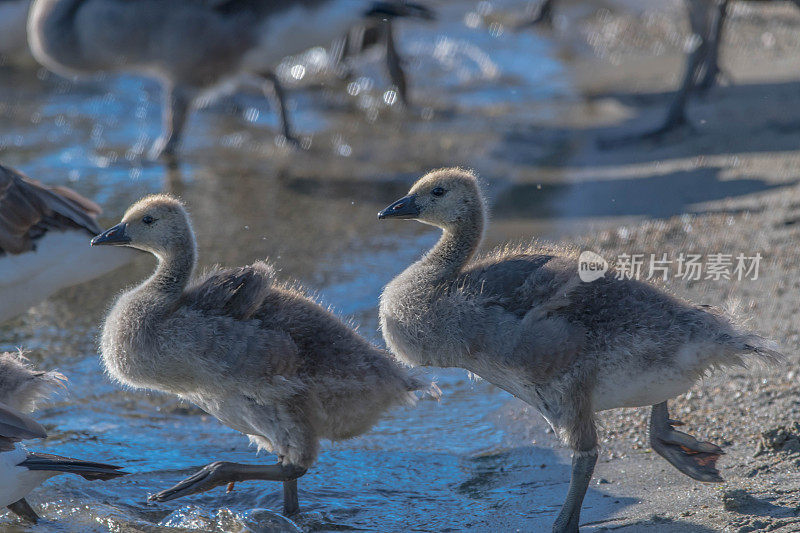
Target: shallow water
x,y
442,466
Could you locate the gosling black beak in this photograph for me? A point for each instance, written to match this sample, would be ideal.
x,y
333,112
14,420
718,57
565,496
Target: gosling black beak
x,y
113,236
405,207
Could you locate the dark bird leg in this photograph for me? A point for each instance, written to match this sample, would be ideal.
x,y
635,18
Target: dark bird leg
x,y
22,509
340,52
394,63
700,12
176,106
581,435
711,70
290,503
224,473
280,100
582,469
696,459
542,15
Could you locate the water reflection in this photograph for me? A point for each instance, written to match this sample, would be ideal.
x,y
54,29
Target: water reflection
x,y
312,212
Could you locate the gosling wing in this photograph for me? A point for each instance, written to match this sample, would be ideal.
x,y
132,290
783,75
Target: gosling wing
x,y
235,292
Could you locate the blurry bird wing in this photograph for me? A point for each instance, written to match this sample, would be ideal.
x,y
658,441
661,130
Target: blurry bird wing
x,y
28,209
56,463
17,426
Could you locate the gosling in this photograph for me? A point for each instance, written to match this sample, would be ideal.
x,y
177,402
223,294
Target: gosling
x,y
522,319
195,48
259,355
21,471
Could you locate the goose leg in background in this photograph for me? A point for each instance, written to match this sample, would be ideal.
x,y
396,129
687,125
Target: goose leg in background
x,y
22,509
340,53
711,71
394,63
224,473
372,34
699,11
543,14
280,100
696,459
582,469
177,102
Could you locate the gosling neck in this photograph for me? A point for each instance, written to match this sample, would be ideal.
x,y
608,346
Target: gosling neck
x,y
455,248
173,272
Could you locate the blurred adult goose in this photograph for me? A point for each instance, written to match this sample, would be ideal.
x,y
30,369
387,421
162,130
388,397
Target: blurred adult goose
x,y
706,21
21,471
259,355
522,319
192,46
43,249
13,38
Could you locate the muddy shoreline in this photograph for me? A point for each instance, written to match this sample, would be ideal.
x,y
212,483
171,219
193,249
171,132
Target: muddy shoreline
x,y
727,185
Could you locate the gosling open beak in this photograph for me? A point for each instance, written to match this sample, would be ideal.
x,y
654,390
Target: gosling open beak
x,y
113,236
405,207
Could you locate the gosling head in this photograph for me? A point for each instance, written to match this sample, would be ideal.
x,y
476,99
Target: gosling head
x,y
445,198
158,224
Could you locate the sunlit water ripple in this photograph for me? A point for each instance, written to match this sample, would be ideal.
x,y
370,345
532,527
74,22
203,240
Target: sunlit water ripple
x,y
442,466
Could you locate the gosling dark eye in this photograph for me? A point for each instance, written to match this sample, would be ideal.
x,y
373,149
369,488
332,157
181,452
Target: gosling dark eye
x,y
438,191
147,219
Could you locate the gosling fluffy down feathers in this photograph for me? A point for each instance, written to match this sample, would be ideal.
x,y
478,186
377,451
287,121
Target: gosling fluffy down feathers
x,y
261,356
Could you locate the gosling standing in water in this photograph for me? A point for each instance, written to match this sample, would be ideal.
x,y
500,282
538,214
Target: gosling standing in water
x,y
259,355
522,319
21,471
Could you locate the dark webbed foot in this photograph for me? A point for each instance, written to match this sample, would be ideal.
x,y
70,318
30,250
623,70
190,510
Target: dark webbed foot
x,y
224,473
22,509
207,478
694,458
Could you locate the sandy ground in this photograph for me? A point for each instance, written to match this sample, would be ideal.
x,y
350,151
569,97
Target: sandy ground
x,y
729,184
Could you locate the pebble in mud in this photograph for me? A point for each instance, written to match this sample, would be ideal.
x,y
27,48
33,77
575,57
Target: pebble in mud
x,y
738,500
781,438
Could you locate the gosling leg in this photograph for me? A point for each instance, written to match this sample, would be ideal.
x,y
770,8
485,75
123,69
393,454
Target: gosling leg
x,y
696,459
22,509
290,503
280,100
225,473
582,469
177,102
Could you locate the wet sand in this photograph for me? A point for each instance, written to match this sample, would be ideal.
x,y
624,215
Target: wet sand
x,y
730,185
727,185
